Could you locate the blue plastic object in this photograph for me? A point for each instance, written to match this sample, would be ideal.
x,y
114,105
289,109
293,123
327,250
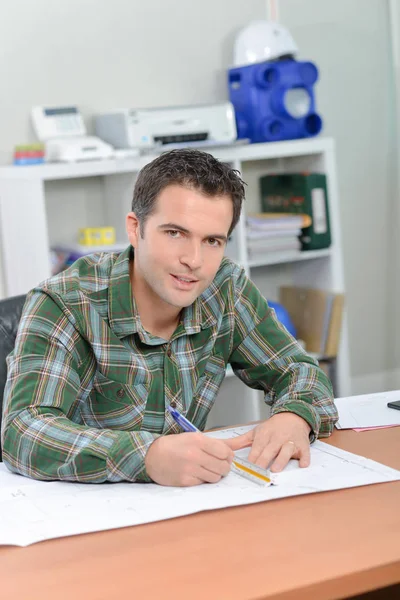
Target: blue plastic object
x,y
260,94
283,316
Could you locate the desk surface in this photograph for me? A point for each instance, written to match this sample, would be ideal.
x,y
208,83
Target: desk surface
x,y
326,545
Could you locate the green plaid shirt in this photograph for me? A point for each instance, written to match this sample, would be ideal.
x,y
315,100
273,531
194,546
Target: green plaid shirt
x,y
88,387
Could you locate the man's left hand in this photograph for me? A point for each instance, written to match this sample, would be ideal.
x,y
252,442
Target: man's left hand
x,y
282,437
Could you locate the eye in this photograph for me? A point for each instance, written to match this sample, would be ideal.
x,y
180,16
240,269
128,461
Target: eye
x,y
173,233
214,242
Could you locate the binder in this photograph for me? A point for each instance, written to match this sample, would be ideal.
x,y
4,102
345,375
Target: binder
x,y
300,193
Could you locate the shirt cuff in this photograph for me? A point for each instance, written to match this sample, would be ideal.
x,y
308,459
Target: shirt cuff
x,y
126,456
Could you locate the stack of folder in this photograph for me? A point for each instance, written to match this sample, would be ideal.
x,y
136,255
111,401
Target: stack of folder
x,y
274,233
317,316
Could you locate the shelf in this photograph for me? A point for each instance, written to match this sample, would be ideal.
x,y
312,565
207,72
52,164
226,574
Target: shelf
x,y
271,150
321,357
83,250
288,257
89,168
229,371
234,152
24,190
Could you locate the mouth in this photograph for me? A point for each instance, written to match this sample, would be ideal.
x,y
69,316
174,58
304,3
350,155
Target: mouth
x,y
184,283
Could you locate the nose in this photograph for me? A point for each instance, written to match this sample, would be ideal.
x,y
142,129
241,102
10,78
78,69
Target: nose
x,y
192,255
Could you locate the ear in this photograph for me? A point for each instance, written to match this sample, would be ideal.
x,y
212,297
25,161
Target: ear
x,y
132,229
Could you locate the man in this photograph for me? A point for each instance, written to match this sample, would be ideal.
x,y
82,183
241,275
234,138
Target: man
x,y
106,346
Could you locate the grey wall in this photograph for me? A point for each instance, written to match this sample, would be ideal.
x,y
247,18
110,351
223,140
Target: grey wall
x,y
104,54
350,42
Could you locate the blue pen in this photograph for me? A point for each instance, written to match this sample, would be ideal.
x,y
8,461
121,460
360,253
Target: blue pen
x,y
241,466
181,420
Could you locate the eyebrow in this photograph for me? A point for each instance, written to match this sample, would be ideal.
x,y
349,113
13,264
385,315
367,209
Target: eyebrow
x,y
216,236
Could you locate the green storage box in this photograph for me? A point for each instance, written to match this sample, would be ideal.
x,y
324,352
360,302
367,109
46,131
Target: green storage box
x,y
300,193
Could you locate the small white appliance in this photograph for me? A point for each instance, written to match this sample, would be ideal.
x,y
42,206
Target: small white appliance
x,y
63,131
261,41
171,126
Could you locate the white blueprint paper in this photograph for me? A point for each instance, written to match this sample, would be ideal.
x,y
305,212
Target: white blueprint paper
x,y
32,511
368,410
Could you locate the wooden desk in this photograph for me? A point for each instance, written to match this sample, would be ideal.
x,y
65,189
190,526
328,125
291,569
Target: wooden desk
x,y
318,547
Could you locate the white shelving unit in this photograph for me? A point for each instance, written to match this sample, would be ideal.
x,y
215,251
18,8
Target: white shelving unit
x,y
35,207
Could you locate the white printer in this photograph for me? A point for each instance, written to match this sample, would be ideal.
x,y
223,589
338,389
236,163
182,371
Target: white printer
x,y
180,125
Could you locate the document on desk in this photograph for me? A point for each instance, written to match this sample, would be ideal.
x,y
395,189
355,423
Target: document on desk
x,y
369,410
33,511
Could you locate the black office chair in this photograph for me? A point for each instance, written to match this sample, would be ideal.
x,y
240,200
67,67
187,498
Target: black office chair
x,y
10,314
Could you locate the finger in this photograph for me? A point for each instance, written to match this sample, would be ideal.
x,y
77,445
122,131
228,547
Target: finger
x,y
304,455
286,453
259,445
217,448
207,476
266,457
219,467
190,481
240,441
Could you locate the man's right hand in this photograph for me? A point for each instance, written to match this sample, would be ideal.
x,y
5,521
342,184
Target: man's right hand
x,y
187,459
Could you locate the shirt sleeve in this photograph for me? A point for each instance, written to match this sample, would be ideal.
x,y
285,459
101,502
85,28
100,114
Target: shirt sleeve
x,y
266,357
47,379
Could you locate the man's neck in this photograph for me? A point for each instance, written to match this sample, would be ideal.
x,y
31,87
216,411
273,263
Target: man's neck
x,y
156,316
161,327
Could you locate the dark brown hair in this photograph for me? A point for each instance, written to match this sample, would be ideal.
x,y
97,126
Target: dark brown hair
x,y
189,168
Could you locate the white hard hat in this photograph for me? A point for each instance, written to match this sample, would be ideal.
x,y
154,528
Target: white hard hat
x,y
261,41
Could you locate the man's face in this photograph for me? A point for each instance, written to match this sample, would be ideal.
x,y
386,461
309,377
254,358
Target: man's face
x,y
183,244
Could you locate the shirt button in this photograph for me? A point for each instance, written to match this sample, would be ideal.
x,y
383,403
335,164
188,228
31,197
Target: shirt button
x,y
173,404
169,352
120,393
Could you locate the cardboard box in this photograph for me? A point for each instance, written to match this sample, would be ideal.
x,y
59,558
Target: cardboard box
x,y
317,316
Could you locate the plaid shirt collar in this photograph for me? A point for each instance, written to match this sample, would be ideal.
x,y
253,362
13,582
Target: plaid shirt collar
x,y
122,310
